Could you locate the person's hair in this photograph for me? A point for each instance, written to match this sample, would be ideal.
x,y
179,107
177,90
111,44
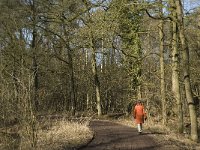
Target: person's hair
x,y
139,101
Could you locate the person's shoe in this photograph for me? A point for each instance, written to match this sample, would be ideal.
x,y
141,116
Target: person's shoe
x,y
140,133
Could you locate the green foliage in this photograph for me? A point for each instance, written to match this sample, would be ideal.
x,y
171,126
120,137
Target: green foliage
x,y
129,27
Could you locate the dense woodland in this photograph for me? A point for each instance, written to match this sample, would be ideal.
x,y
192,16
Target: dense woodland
x,y
99,56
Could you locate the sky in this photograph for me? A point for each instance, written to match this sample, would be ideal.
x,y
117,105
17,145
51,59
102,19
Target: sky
x,y
189,5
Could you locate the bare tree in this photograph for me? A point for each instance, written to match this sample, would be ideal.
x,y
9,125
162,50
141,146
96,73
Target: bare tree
x,y
92,42
176,69
162,65
186,70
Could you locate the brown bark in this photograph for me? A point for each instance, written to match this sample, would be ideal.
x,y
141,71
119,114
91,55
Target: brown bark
x,y
35,63
175,71
96,80
72,85
94,64
186,68
162,68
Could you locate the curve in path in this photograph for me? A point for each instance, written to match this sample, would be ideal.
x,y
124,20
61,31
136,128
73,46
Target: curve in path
x,y
114,136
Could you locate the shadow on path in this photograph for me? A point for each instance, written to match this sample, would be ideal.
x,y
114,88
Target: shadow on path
x,y
114,136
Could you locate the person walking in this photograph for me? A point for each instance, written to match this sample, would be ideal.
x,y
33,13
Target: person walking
x,y
139,115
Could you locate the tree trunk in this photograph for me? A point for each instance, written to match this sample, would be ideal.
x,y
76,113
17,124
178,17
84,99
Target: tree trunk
x,y
88,101
138,69
35,65
71,67
94,64
186,68
96,80
72,83
162,68
175,72
102,58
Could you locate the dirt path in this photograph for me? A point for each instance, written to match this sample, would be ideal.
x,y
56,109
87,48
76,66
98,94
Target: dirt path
x,y
113,136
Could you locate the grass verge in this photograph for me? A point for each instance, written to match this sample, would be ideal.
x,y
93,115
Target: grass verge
x,y
52,134
64,135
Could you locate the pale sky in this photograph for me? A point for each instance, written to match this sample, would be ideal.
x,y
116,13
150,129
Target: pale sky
x,y
191,4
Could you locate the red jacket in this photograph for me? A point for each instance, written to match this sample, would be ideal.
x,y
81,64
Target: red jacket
x,y
139,113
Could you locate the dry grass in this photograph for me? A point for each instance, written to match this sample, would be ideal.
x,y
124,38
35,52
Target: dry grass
x,y
63,135
52,134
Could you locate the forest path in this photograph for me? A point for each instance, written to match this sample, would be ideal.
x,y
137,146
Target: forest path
x,y
113,136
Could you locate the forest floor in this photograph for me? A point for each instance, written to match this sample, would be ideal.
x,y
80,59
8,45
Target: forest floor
x,y
58,132
112,135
